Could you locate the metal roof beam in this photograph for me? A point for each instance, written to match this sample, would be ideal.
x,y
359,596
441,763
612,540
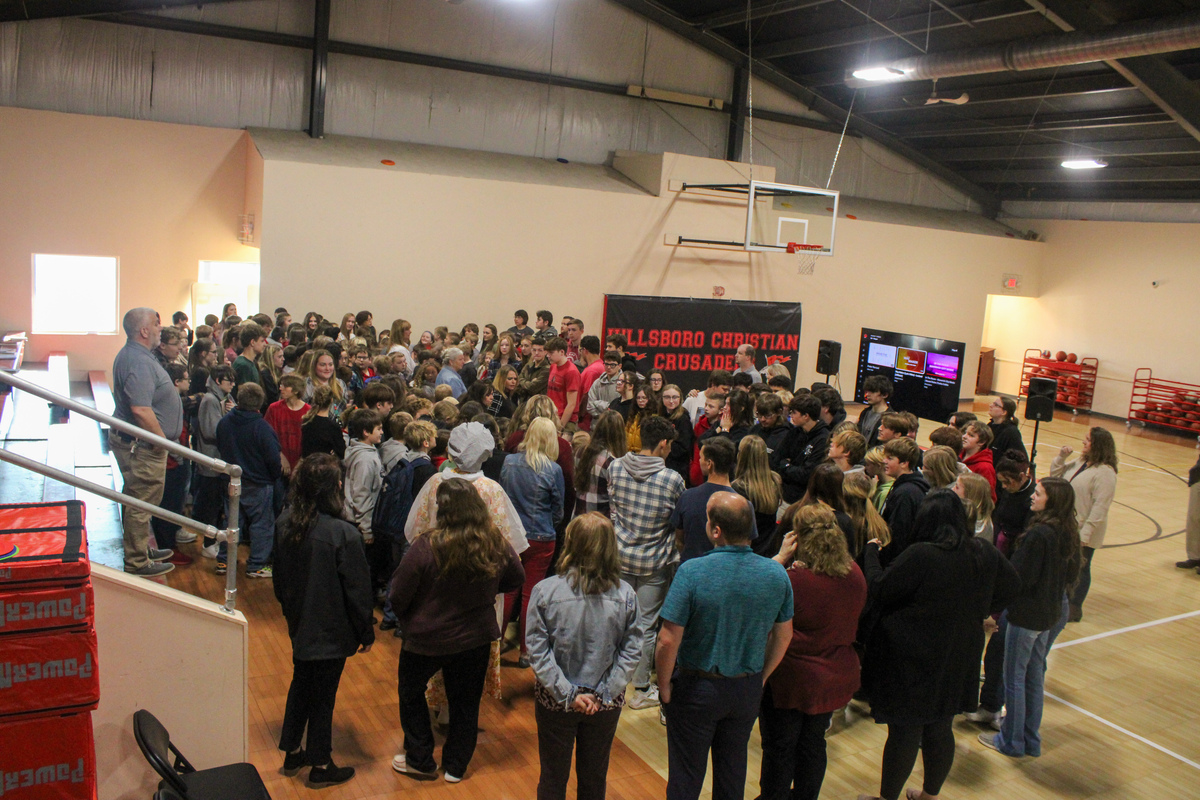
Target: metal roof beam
x,y
770,8
1164,85
1102,194
915,24
25,10
1088,176
1132,147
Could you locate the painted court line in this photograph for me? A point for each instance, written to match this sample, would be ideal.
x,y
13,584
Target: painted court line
x,y
1106,634
1125,731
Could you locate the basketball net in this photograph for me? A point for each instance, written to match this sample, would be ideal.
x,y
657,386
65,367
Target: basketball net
x,y
806,257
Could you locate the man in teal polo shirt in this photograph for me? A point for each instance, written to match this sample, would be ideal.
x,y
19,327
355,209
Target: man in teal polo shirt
x,y
726,624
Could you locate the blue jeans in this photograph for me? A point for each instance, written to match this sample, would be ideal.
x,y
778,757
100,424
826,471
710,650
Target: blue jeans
x,y
257,521
1024,683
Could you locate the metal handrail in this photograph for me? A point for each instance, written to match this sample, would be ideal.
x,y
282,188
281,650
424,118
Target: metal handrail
x,y
229,535
128,428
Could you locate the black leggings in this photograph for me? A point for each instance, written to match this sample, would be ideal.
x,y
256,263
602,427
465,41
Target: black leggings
x,y
936,743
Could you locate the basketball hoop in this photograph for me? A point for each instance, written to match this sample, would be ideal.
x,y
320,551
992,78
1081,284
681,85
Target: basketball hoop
x,y
806,255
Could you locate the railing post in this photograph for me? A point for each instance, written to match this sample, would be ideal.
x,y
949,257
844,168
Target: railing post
x,y
231,542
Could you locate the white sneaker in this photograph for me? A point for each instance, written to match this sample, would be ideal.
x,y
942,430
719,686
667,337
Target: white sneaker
x,y
982,716
998,721
183,537
647,698
662,716
210,551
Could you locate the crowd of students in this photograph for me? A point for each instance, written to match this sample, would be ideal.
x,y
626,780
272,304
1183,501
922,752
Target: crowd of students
x,y
485,481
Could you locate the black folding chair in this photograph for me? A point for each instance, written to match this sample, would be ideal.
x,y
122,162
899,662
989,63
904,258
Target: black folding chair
x,y
230,782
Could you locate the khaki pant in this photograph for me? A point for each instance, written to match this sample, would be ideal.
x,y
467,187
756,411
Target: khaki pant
x,y
144,471
1193,523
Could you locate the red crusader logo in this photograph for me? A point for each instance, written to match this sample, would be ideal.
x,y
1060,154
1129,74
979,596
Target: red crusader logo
x,y
638,356
778,360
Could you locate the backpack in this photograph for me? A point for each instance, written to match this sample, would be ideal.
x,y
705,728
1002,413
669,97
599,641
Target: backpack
x,y
396,498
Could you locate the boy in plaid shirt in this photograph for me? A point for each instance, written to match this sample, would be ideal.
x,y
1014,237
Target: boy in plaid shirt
x,y
644,492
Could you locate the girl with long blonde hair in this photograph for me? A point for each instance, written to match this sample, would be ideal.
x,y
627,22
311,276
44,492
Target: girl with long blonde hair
x,y
857,488
754,480
536,486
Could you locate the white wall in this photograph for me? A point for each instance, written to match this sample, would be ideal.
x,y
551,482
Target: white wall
x,y
1097,300
183,659
448,249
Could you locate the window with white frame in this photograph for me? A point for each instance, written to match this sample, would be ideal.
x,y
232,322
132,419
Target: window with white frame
x,y
75,294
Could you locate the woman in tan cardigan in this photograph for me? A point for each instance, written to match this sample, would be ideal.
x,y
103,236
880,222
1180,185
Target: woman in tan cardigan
x,y
1093,476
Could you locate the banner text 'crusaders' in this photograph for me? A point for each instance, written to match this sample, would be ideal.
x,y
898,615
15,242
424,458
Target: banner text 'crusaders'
x,y
687,338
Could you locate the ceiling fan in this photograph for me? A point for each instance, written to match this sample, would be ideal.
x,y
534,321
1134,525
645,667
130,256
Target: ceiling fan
x,y
933,98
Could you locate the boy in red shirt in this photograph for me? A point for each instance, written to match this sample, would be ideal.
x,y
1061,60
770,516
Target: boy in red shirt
x,y
564,387
284,417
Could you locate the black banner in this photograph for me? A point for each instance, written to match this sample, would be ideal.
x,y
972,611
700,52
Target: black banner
x,y
687,339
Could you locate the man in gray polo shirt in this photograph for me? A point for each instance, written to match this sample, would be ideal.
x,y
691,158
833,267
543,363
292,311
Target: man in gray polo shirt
x,y
146,397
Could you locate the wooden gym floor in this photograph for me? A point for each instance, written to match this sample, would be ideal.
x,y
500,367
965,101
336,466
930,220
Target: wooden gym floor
x,y
1122,695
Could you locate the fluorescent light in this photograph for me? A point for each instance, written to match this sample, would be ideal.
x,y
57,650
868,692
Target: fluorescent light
x,y
878,74
1084,163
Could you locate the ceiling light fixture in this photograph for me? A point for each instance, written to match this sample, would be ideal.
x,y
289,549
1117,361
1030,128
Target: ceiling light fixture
x,y
1084,163
878,74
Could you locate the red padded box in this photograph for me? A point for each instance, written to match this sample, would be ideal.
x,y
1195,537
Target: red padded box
x,y
48,758
28,609
48,672
43,543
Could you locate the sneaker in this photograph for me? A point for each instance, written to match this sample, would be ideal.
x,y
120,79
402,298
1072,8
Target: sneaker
x,y
329,775
180,560
644,698
401,765
988,740
388,624
523,661
156,554
452,778
221,568
982,716
997,722
209,551
261,572
294,762
1191,563
152,570
184,537
662,716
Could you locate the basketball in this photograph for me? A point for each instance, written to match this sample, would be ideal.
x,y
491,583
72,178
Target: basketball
x,y
1073,399
1061,397
1061,355
1072,358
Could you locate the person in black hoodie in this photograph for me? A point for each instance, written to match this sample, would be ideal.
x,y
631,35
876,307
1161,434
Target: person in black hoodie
x,y
244,438
925,636
833,408
1048,558
772,426
323,583
804,448
1006,433
908,490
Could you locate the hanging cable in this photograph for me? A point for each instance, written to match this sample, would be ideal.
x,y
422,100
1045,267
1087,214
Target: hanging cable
x,y
841,139
750,83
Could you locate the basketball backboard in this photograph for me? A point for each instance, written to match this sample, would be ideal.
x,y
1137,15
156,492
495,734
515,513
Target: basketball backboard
x,y
778,214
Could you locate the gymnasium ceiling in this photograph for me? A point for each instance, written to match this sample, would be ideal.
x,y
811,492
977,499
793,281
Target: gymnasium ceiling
x,y
1140,115
1005,141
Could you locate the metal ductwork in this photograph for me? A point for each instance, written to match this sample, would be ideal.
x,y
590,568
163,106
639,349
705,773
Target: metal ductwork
x,y
1164,35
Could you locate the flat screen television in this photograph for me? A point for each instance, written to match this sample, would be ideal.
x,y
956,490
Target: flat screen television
x,y
926,373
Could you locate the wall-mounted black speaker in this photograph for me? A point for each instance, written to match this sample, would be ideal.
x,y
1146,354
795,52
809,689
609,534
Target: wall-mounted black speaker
x,y
829,357
1040,403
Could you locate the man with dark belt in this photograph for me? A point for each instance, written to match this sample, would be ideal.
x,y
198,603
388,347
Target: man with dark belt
x,y
145,396
726,624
